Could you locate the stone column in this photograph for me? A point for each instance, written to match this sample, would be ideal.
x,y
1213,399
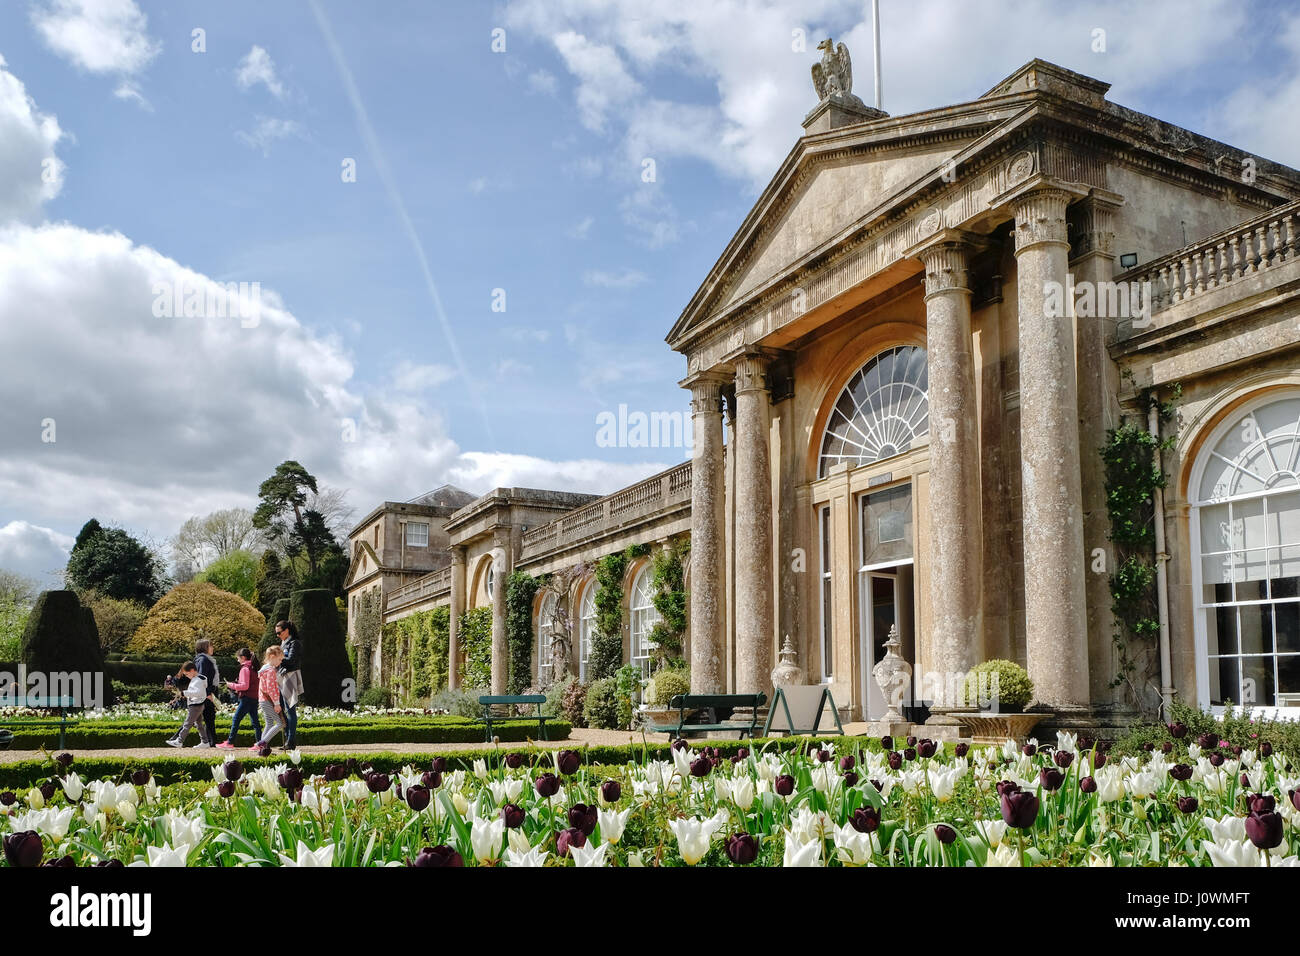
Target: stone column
x,y
500,644
753,528
708,601
1056,634
956,633
457,609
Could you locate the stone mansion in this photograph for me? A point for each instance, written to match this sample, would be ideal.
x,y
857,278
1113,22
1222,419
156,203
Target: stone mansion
x,y
902,368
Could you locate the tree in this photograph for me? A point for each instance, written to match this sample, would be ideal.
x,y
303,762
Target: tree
x,y
325,664
282,509
280,612
273,582
110,561
235,571
13,621
115,620
198,609
60,636
17,589
332,505
200,541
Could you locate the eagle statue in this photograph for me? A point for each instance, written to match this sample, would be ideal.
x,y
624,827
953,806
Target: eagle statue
x,y
833,76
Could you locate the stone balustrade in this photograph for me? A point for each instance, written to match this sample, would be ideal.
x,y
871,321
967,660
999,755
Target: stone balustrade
x,y
425,588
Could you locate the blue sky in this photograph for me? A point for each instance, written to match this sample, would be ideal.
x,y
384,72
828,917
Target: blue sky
x,y
518,170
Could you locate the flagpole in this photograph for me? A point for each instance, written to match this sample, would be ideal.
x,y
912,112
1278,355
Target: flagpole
x,y
875,20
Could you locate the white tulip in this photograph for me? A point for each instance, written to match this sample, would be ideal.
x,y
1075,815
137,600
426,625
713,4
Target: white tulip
x,y
612,824
73,787
530,856
1233,853
1067,741
1194,751
460,802
693,837
485,838
1004,855
589,855
851,847
801,854
682,760
943,782
295,757
322,856
742,792
481,769
634,859
164,856
35,799
992,830
127,812
517,841
1230,829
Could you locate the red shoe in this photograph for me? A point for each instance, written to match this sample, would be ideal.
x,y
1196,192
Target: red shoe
x,y
226,745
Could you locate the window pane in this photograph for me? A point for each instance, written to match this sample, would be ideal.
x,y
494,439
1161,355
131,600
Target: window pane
x,y
881,412
1286,620
1224,683
1221,630
1257,681
1256,624
1288,676
417,534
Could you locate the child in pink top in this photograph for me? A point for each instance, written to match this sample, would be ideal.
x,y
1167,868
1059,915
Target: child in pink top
x,y
268,696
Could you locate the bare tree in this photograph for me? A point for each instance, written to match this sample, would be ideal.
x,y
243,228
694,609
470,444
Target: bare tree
x,y
200,541
17,588
332,505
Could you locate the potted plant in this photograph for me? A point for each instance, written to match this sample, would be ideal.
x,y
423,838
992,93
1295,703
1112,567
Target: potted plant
x,y
997,693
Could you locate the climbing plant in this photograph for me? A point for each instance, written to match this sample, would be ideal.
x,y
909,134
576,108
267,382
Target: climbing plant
x,y
670,600
520,591
1132,478
606,653
475,637
367,630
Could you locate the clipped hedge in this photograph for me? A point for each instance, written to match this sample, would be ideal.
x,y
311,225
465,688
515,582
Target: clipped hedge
x,y
172,769
125,737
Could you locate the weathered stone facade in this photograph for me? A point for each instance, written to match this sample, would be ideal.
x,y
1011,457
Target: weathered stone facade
x,y
901,370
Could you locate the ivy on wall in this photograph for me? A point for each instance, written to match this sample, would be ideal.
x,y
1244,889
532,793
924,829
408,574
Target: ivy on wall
x,y
475,637
367,631
606,655
670,600
417,645
1132,478
520,591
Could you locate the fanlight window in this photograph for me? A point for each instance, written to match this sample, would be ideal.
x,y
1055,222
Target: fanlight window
x,y
883,409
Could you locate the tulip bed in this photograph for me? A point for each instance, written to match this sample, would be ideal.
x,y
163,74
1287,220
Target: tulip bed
x,y
844,802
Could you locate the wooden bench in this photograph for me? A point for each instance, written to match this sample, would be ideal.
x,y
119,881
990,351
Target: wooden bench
x,y
61,704
684,703
489,701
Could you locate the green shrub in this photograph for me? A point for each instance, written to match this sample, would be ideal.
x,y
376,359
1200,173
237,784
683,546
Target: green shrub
x,y
462,702
628,679
60,636
668,683
1014,689
475,637
174,623
1241,729
520,591
566,699
140,693
600,709
375,697
324,654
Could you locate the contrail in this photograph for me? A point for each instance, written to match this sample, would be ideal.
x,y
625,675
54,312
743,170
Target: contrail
x,y
394,196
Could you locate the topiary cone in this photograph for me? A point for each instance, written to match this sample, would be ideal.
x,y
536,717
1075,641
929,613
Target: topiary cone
x,y
280,613
61,636
325,664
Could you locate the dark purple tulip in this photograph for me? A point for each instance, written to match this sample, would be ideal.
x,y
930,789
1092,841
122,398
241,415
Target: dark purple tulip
x,y
1295,798
1051,779
1216,760
1063,759
291,780
926,748
64,759
417,797
610,791
1019,809
1177,730
378,782
1007,786
1244,780
1261,803
47,791
141,777
567,838
1264,829
441,855
680,744
1265,749
1187,804
850,778
886,743
742,752
226,788
1207,741
1236,751
61,861
431,779
438,764
234,770
111,864
1167,747
1148,747
909,754
961,750
742,849
548,784
911,741
1104,745
352,765
23,849
701,766
514,760
1180,771
1029,750
865,819
783,785
7,799
264,750
823,756
880,787
366,768
945,833
569,761
335,772
895,760
1086,743
1087,785
1099,759
582,817
513,815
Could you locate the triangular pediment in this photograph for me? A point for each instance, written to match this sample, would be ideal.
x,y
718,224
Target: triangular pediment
x,y
364,562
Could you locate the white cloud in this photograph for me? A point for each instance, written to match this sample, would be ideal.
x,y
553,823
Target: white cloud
x,y
129,90
267,131
1263,121
581,229
99,36
585,167
36,552
627,279
258,67
528,335
478,185
409,377
483,471
603,85
543,81
30,172
512,368
651,216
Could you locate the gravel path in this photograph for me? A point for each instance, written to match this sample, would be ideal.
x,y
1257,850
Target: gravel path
x,y
578,738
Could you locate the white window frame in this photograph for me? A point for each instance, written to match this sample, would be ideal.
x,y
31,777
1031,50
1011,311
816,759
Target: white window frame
x,y
545,636
411,526
644,616
586,626
827,596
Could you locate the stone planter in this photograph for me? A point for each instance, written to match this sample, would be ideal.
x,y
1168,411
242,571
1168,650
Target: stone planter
x,y
996,728
656,716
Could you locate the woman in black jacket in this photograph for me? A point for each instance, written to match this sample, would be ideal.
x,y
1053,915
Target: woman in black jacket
x,y
207,665
290,679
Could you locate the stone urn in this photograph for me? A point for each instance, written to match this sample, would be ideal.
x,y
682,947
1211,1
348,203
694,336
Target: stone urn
x,y
893,674
787,673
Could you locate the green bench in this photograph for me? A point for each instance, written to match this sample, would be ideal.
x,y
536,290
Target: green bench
x,y
61,704
685,703
489,701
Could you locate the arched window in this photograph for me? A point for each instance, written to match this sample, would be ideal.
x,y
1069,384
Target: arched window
x,y
545,635
586,627
644,618
1245,519
883,409
490,580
